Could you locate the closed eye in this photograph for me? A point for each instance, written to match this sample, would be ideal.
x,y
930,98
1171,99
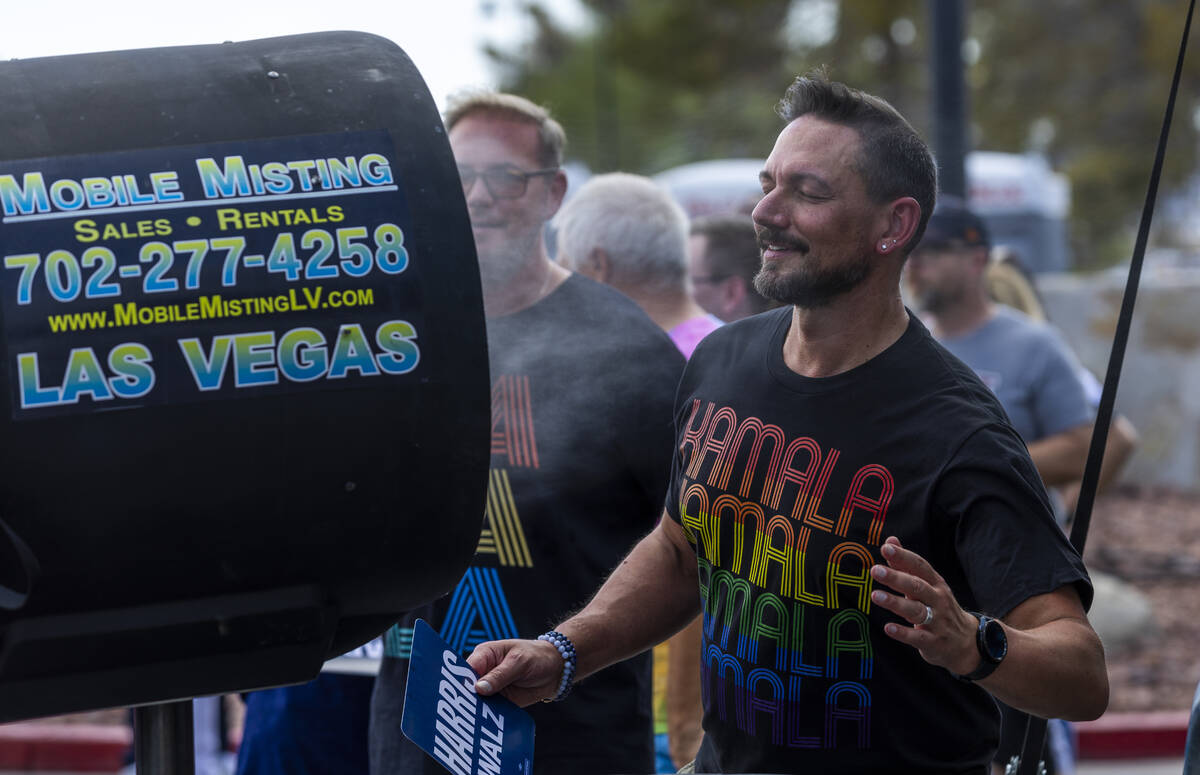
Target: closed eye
x,y
808,186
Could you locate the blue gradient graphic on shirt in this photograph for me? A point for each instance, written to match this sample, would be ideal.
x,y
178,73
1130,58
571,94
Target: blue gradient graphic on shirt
x,y
478,612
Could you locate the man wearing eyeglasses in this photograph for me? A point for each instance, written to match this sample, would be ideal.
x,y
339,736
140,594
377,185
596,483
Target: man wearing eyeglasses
x,y
582,389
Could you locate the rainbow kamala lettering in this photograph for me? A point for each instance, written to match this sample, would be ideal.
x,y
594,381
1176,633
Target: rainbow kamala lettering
x,y
784,584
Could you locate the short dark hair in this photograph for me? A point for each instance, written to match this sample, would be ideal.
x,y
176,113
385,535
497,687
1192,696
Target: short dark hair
x,y
893,160
732,251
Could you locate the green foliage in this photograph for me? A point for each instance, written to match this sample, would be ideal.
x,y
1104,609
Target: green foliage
x,y
1100,73
865,53
657,83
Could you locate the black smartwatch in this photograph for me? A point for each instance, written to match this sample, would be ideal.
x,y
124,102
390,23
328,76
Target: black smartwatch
x,y
992,643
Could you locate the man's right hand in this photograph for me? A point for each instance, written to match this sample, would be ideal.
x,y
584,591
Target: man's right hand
x,y
524,671
649,597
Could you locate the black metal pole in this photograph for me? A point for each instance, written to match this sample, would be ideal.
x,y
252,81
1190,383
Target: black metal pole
x,y
949,94
163,739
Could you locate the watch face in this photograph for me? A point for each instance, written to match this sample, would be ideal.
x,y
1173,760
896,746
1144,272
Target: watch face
x,y
995,642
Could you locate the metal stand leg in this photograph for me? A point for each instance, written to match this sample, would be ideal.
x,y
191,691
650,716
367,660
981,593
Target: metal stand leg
x,y
163,739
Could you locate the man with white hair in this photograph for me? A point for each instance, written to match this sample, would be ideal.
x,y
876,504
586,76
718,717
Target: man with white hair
x,y
627,232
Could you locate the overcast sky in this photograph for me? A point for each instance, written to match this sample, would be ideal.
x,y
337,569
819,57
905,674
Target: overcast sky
x,y
443,37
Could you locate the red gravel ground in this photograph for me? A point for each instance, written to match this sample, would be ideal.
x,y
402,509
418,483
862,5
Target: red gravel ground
x,y
1150,538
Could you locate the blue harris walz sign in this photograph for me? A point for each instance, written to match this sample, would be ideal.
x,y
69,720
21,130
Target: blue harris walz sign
x,y
466,733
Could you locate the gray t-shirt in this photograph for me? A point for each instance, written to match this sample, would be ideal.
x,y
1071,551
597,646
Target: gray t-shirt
x,y
1030,369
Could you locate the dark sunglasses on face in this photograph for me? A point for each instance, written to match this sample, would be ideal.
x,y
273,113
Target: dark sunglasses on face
x,y
502,182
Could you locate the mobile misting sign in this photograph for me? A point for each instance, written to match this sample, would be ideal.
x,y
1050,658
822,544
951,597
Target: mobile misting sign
x,y
215,271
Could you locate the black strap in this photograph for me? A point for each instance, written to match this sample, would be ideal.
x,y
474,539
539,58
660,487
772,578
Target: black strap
x,y
12,599
1035,728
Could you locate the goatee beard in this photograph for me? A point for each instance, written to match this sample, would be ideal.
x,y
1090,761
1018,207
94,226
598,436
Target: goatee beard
x,y
807,285
810,288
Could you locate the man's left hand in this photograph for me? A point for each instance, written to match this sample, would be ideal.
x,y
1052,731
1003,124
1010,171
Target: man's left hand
x,y
940,630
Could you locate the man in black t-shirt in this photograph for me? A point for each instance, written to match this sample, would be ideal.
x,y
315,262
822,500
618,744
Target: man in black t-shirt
x,y
873,548
582,384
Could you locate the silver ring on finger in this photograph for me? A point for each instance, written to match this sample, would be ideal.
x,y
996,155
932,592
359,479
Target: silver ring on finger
x,y
928,617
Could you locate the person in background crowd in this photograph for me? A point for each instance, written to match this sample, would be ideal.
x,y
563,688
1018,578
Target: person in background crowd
x,y
1026,365
723,257
1009,283
582,383
315,728
874,550
625,231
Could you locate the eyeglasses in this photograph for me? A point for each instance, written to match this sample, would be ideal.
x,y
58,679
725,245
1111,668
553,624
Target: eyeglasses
x,y
502,182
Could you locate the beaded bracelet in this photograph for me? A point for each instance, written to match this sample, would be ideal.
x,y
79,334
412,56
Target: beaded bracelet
x,y
566,649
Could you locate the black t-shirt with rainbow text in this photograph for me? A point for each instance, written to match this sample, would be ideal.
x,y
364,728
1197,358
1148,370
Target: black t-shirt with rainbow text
x,y
787,486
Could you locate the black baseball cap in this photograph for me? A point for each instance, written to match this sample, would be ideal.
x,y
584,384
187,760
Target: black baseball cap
x,y
953,222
